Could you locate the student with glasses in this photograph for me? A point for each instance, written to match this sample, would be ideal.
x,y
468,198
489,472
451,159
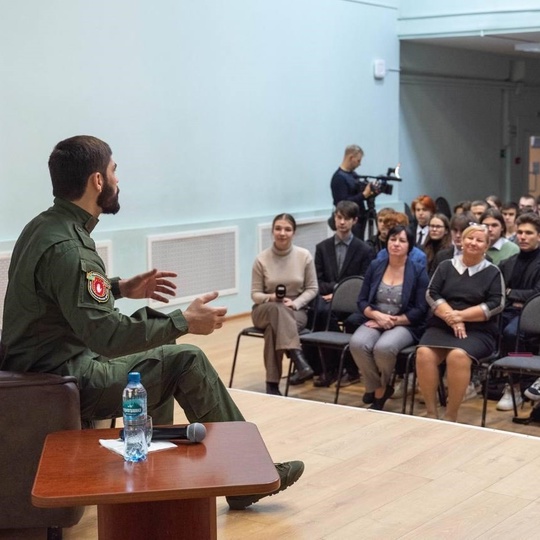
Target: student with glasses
x,y
438,238
458,223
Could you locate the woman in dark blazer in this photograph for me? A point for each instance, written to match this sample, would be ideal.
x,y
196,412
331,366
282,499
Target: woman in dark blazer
x,y
393,304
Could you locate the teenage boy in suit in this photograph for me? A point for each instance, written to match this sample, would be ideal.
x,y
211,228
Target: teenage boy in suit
x,y
336,258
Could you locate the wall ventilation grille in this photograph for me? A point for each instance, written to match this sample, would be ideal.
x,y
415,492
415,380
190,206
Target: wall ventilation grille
x,y
204,261
104,249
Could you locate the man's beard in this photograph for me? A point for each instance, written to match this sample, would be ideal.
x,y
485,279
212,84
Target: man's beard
x,y
108,199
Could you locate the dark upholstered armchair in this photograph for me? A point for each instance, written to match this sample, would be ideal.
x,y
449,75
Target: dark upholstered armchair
x,y
31,406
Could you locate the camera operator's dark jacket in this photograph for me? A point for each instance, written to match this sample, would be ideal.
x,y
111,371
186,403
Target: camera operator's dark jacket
x,y
346,186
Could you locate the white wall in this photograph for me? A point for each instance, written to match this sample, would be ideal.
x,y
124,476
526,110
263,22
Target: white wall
x,y
218,113
226,113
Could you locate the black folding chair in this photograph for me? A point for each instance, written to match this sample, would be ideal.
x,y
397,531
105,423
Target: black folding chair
x,y
343,303
519,363
253,331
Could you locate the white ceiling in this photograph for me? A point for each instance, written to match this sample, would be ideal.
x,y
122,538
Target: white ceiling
x,y
493,43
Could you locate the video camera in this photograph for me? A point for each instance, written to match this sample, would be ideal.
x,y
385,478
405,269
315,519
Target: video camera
x,y
379,184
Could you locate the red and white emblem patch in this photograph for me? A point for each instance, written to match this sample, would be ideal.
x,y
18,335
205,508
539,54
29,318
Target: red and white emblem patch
x,y
98,286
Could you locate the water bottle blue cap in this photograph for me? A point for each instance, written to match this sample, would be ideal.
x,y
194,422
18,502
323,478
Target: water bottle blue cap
x,y
134,377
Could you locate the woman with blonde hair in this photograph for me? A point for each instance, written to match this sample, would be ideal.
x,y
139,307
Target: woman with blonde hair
x,y
464,294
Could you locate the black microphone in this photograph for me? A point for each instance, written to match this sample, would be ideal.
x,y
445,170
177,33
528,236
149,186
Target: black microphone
x,y
193,432
281,292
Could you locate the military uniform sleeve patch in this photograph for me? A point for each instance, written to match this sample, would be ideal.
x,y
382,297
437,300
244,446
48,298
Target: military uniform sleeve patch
x,y
99,286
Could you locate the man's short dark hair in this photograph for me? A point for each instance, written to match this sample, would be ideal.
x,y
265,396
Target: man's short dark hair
x,y
73,160
529,217
495,200
464,205
495,214
480,202
459,222
510,205
348,209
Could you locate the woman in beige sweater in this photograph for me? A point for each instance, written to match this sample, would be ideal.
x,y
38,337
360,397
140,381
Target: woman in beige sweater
x,y
283,283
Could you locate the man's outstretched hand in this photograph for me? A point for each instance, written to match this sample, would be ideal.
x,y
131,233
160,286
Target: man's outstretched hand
x,y
151,284
202,318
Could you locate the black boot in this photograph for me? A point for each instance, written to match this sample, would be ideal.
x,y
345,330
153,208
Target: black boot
x,y
303,369
272,388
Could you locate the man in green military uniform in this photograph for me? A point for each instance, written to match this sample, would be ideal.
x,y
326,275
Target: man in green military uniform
x,y
59,314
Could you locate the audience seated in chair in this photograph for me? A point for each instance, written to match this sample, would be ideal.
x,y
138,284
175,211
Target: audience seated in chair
x,y
499,247
522,278
423,208
439,238
283,283
378,240
392,308
464,294
336,258
527,203
510,212
478,207
458,223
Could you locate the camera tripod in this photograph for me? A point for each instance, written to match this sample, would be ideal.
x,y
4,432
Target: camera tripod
x,y
370,227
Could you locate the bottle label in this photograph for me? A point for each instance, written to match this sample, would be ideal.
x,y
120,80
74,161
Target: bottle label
x,y
133,408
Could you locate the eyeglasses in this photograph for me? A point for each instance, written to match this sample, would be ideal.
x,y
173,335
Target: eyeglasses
x,y
473,224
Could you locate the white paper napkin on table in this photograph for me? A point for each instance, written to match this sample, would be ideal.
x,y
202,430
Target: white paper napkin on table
x,y
117,445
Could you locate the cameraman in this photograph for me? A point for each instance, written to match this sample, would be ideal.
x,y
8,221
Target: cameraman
x,y
347,186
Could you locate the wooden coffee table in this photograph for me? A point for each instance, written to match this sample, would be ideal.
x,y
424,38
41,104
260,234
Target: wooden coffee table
x,y
170,495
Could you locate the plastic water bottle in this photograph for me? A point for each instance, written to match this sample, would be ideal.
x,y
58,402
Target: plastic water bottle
x,y
134,400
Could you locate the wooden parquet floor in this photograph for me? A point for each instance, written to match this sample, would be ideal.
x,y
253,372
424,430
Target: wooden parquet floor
x,y
362,467
250,376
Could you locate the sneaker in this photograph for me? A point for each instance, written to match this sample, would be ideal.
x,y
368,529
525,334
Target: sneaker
x,y
505,403
289,473
533,392
347,380
398,394
471,393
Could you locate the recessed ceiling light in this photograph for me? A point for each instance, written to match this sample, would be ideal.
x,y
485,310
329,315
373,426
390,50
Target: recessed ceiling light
x,y
527,47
